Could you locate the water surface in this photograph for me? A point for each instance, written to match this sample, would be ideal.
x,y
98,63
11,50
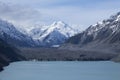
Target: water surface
x,y
28,70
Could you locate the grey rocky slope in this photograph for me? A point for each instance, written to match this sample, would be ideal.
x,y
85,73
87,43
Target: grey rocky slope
x,y
101,36
8,54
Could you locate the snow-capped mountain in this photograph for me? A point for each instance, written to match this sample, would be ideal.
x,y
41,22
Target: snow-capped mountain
x,y
54,34
12,36
46,36
104,32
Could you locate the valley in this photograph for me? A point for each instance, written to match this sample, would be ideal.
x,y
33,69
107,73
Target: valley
x,y
60,42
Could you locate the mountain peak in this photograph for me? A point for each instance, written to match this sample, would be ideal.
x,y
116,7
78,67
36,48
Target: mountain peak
x,y
56,33
58,24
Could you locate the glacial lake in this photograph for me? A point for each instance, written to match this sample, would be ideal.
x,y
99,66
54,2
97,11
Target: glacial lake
x,y
61,70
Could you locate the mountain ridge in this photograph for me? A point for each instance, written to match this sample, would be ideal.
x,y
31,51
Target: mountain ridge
x,y
45,36
101,36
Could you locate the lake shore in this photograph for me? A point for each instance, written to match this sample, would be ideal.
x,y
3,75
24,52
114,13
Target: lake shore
x,y
54,54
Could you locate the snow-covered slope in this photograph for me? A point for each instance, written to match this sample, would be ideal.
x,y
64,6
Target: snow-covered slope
x,y
11,35
54,34
110,24
104,32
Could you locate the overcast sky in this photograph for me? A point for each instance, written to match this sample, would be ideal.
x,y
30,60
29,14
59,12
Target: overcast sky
x,y
81,12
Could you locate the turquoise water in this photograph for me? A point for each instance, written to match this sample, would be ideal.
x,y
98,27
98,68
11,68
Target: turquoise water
x,y
28,70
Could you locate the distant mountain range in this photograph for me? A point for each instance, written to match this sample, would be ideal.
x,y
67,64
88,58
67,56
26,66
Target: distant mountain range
x,y
55,34
101,35
106,32
45,36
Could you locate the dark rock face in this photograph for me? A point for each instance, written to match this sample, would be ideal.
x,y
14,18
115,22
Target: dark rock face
x,y
8,54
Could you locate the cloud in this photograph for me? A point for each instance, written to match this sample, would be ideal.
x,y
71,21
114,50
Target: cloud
x,y
23,16
81,12
78,15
